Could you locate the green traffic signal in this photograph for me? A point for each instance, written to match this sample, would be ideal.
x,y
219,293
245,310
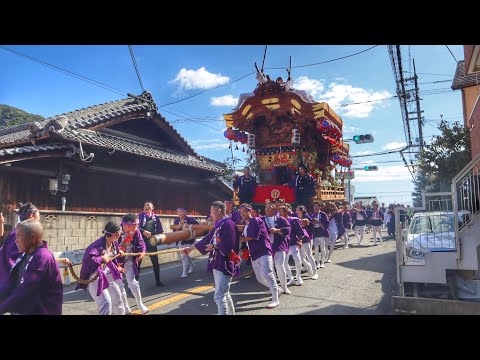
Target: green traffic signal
x,y
356,138
366,168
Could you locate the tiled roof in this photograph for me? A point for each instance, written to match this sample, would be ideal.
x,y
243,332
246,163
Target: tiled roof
x,y
461,80
34,148
89,117
111,142
15,133
71,126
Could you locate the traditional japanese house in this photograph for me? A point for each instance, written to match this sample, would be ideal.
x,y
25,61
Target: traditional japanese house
x,y
103,161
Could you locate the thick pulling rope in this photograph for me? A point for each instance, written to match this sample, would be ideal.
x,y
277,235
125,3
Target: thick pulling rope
x,y
66,262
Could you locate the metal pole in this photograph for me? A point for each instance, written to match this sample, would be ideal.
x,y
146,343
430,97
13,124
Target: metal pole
x,y
349,193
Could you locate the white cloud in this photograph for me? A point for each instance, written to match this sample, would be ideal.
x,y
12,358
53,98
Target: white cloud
x,y
394,145
367,162
198,79
339,94
360,153
226,100
349,130
209,144
214,146
313,87
389,173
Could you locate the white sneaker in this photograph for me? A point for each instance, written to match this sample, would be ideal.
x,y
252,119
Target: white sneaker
x,y
192,266
299,282
273,304
184,275
291,282
328,261
345,247
322,265
315,277
144,310
287,291
318,266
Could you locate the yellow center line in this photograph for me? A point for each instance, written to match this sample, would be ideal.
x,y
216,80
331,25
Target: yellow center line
x,y
183,295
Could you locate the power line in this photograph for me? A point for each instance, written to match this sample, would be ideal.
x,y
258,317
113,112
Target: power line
x,y
67,72
136,67
382,152
202,92
324,62
211,127
452,53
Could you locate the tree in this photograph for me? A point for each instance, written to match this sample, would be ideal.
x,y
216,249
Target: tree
x,y
10,116
421,184
440,161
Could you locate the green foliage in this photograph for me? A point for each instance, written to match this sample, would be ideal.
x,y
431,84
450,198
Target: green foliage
x,y
440,161
10,116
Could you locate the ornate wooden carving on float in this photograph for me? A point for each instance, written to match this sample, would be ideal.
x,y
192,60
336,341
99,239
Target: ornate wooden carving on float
x,y
286,128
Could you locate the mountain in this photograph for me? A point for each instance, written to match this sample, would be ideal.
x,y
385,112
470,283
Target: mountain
x,y
10,116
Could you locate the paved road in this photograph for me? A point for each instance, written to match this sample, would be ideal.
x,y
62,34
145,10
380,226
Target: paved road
x,y
360,280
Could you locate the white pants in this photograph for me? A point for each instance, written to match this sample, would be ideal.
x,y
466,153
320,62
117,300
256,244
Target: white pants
x,y
376,229
295,252
112,300
222,296
263,268
187,262
330,245
309,263
319,244
345,236
279,260
133,284
359,231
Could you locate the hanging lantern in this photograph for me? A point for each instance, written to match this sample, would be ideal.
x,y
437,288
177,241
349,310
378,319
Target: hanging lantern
x,y
295,137
243,148
251,140
236,147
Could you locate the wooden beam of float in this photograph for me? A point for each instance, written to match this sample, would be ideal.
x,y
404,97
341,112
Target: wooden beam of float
x,y
189,232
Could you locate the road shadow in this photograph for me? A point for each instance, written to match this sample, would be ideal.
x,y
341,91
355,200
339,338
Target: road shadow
x,y
384,264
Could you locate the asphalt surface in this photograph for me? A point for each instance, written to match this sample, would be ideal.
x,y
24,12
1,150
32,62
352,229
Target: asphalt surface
x,y
360,280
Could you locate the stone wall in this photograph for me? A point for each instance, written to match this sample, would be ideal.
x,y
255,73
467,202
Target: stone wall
x,y
73,230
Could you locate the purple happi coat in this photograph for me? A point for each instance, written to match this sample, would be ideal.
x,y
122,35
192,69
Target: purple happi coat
x,y
297,231
280,241
236,217
8,255
322,230
346,220
309,229
138,246
190,221
339,222
226,233
260,245
40,291
92,261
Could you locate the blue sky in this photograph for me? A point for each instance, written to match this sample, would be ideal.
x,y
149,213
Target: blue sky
x,y
175,72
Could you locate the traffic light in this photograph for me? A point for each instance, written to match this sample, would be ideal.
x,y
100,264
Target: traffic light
x,y
370,168
361,139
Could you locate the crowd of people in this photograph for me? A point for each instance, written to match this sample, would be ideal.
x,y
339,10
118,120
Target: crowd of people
x,y
30,280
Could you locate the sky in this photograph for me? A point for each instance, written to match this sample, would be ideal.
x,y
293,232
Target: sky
x,y
220,73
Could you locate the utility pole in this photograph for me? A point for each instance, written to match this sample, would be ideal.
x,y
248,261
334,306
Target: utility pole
x,y
419,117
